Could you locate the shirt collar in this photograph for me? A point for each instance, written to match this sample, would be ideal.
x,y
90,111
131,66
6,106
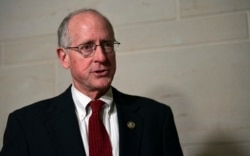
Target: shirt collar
x,y
81,101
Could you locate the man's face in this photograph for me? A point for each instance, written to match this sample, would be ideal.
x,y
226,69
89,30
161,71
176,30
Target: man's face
x,y
95,73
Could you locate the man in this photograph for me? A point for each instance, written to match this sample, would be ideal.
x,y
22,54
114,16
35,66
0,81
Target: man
x,y
63,125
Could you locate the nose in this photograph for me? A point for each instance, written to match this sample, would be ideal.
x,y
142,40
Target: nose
x,y
100,54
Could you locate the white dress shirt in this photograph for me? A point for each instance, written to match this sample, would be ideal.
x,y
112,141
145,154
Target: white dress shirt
x,y
109,114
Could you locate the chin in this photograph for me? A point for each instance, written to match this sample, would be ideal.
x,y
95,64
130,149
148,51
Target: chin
x,y
103,85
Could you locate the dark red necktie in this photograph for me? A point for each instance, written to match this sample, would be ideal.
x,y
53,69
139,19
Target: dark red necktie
x,y
99,142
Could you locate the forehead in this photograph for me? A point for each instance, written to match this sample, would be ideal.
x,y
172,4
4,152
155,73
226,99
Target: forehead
x,y
89,24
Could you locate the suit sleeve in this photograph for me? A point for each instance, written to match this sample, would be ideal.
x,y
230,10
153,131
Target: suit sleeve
x,y
170,136
14,143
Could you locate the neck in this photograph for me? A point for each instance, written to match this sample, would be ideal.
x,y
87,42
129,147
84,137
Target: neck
x,y
94,94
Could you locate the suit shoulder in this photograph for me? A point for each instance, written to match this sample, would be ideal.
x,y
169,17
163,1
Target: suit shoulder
x,y
140,100
34,108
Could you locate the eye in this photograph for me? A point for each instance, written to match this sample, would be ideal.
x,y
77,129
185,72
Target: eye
x,y
108,44
86,47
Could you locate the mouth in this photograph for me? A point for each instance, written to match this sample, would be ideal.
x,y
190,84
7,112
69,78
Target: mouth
x,y
101,73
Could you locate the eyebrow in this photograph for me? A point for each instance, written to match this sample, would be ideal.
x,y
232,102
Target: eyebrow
x,y
92,41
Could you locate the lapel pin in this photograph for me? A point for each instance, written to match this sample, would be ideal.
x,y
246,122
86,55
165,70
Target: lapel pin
x,y
131,124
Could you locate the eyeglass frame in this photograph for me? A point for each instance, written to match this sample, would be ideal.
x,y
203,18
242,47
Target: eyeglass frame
x,y
77,48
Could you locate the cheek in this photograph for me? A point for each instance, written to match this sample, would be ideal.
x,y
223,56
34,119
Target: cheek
x,y
73,64
113,62
78,67
76,61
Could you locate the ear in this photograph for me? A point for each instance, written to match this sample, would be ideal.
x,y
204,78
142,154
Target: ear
x,y
63,57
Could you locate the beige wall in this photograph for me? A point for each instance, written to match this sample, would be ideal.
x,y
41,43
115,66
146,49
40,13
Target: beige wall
x,y
193,55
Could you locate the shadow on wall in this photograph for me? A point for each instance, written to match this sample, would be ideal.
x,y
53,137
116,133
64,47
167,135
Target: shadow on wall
x,y
216,143
221,144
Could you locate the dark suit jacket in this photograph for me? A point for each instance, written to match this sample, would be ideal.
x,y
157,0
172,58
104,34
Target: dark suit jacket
x,y
50,128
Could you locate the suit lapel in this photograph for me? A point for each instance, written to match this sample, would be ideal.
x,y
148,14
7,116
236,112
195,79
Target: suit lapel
x,y
63,126
130,124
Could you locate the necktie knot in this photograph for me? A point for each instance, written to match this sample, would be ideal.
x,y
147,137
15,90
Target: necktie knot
x,y
96,106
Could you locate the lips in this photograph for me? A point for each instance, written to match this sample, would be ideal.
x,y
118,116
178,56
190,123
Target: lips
x,y
101,73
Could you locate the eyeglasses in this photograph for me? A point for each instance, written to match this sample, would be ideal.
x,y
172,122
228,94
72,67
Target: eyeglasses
x,y
88,49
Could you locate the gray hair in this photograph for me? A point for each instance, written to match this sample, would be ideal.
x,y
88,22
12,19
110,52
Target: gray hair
x,y
64,39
